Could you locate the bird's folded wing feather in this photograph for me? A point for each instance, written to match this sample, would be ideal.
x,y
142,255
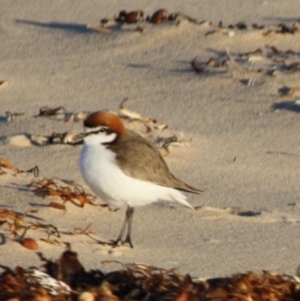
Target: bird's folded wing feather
x,y
139,159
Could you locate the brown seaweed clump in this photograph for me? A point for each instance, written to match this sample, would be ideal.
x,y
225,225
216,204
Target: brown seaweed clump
x,y
66,279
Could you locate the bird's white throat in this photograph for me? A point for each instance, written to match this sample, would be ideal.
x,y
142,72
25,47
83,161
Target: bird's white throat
x,y
97,137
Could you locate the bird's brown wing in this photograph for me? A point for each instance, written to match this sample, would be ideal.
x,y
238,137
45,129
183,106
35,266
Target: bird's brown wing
x,y
139,159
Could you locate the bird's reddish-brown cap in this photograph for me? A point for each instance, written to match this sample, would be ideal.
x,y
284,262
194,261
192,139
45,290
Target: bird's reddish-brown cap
x,y
105,118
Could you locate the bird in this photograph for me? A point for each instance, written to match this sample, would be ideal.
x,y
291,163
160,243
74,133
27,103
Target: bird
x,y
123,168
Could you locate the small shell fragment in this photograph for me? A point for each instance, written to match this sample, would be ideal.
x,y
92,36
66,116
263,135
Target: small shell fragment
x,y
255,58
76,117
29,243
86,296
98,28
19,140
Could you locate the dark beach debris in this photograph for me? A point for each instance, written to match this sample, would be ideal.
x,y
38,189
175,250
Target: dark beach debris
x,y
251,64
63,138
293,67
282,28
196,68
107,25
57,138
288,91
240,25
208,65
158,16
249,53
46,112
146,126
67,279
10,116
17,226
130,17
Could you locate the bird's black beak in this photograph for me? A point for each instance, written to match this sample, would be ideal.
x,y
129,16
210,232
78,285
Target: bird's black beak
x,y
77,139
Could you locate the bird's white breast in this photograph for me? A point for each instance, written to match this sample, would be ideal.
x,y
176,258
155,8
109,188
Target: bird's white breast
x,y
101,172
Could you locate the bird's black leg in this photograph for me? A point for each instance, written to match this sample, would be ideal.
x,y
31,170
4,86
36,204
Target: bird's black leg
x,y
127,222
129,215
119,239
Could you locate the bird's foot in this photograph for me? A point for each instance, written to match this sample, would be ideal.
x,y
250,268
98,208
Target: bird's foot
x,y
119,243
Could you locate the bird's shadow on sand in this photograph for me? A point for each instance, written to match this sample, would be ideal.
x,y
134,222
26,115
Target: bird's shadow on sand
x,y
70,27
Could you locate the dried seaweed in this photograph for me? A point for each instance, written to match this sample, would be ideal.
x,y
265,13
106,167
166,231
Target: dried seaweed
x,y
7,165
137,17
130,17
67,279
158,16
85,230
15,221
271,61
71,193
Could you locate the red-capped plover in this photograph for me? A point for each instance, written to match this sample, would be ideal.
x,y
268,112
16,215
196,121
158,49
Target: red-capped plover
x,y
122,167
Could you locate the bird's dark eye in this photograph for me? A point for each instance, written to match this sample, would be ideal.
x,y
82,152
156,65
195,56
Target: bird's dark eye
x,y
102,130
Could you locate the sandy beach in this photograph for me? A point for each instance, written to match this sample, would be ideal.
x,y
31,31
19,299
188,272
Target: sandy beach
x,y
230,93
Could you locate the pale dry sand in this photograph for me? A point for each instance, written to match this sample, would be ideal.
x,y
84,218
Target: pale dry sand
x,y
244,154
